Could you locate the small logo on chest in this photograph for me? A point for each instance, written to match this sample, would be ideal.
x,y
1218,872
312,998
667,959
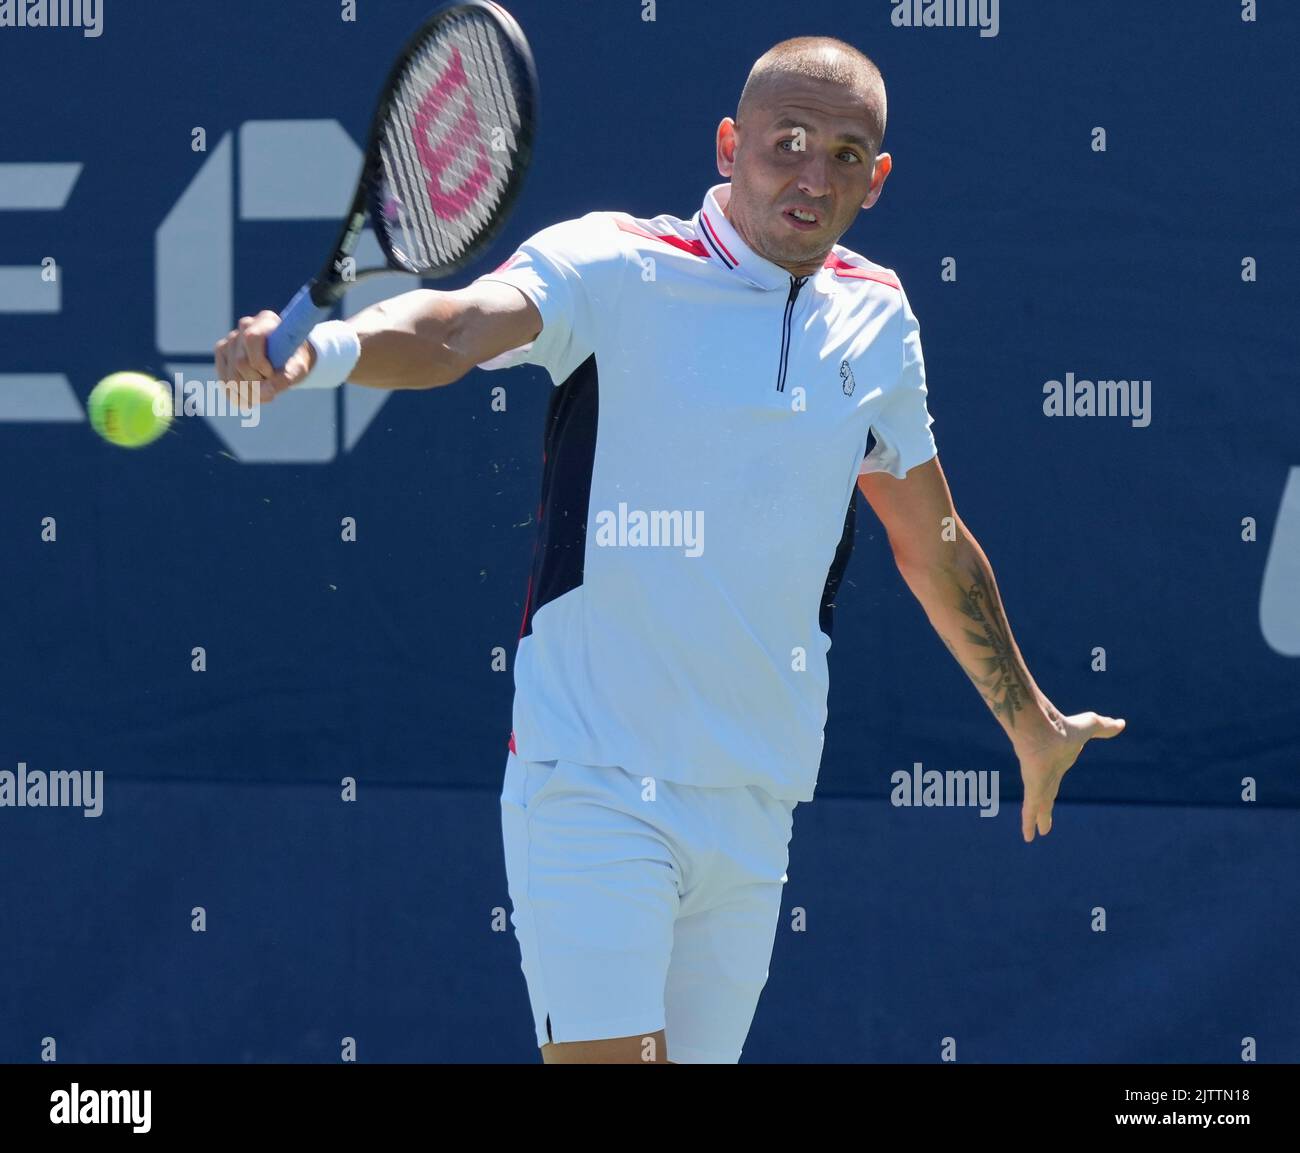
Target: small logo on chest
x,y
846,378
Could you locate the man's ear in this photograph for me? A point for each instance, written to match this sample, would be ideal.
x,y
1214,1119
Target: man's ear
x,y
726,146
879,174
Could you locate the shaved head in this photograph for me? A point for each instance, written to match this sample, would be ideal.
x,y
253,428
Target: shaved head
x,y
819,58
803,154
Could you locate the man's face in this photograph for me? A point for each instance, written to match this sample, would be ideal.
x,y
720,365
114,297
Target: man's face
x,y
805,145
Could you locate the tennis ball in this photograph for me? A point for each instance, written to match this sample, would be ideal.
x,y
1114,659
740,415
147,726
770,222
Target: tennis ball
x,y
130,409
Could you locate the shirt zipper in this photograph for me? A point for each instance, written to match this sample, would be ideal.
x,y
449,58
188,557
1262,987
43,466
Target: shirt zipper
x,y
796,283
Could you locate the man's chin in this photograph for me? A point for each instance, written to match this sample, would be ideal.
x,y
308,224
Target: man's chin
x,y
788,256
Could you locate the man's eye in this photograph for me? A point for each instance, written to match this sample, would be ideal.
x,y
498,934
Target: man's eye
x,y
853,156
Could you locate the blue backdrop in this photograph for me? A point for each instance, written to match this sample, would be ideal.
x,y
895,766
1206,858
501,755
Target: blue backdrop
x,y
373,659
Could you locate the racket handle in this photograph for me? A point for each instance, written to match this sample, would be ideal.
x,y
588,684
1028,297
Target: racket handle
x,y
299,317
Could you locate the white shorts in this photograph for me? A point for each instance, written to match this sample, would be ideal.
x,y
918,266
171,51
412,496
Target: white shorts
x,y
635,915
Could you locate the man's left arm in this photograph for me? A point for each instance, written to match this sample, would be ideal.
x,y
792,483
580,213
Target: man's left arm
x,y
947,571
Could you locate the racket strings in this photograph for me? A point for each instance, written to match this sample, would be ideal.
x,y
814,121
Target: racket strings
x,y
448,146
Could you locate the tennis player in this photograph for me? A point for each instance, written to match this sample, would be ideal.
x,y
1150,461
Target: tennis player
x,y
722,384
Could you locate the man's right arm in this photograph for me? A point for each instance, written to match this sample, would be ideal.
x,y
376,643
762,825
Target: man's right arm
x,y
425,339
421,339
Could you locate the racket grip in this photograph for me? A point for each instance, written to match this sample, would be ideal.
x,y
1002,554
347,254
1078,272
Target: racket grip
x,y
299,317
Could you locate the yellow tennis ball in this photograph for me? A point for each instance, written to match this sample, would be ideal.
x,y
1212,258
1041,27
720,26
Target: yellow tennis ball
x,y
130,409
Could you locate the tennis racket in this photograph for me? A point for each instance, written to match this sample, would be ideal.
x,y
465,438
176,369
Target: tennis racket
x,y
449,146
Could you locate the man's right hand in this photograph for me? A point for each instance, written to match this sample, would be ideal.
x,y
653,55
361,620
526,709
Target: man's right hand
x,y
242,366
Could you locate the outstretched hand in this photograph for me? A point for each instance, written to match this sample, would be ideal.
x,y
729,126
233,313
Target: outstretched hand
x,y
1044,761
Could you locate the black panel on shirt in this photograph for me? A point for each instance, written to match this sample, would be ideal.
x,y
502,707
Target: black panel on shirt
x,y
568,457
836,574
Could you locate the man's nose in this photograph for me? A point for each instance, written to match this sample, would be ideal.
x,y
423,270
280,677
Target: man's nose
x,y
814,177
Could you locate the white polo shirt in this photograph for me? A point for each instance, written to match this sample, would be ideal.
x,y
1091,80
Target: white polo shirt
x,y
710,418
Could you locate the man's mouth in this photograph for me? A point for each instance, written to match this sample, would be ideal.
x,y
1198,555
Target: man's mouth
x,y
803,218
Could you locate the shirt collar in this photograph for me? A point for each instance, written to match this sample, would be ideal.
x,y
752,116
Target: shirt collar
x,y
724,245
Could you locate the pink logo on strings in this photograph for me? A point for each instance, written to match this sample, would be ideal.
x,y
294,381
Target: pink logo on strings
x,y
462,139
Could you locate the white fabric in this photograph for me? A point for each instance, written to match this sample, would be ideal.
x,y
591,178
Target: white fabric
x,y
338,348
641,906
705,669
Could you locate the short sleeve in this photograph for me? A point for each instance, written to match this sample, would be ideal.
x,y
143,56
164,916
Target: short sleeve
x,y
902,427
571,272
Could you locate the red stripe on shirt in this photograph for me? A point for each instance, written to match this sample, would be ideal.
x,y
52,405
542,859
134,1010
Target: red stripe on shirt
x,y
844,268
714,233
694,247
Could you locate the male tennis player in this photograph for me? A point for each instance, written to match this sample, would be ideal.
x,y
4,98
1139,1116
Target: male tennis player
x,y
722,384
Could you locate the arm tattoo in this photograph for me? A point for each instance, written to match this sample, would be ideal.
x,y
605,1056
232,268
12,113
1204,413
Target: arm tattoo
x,y
999,679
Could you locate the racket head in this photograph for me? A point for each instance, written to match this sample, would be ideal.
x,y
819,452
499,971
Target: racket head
x,y
451,139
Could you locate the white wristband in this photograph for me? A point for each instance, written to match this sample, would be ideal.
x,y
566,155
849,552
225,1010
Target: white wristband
x,y
337,351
